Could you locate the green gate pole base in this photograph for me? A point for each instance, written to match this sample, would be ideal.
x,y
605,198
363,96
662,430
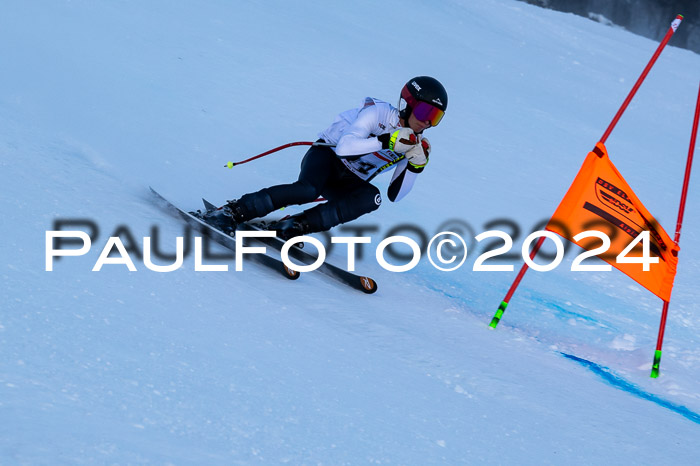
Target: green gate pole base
x,y
655,366
499,313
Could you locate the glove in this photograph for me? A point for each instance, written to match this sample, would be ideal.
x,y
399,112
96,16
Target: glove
x,y
400,141
418,155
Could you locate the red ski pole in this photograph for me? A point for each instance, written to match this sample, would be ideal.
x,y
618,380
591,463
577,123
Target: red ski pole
x,y
271,151
674,25
677,238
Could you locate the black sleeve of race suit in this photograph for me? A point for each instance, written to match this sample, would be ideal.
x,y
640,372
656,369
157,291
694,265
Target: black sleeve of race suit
x,y
384,139
399,180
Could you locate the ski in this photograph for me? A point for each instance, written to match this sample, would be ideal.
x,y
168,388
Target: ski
x,y
358,282
226,240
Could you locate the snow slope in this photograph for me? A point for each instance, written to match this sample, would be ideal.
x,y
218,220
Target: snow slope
x,y
101,99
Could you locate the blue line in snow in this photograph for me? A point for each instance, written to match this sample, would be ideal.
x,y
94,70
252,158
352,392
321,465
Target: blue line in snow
x,y
618,382
570,312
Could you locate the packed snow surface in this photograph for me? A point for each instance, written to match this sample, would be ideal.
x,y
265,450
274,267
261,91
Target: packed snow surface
x,y
101,99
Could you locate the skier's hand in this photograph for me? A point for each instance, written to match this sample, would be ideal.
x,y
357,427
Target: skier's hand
x,y
418,155
400,141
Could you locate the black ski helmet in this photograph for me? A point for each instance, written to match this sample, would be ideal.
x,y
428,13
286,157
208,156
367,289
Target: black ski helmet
x,y
424,89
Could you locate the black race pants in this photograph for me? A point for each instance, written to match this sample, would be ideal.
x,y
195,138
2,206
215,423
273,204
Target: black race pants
x,y
322,174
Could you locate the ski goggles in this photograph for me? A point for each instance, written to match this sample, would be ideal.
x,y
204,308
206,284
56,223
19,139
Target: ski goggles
x,y
423,111
426,112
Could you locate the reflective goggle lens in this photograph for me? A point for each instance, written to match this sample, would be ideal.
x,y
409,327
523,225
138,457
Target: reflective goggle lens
x,y
425,112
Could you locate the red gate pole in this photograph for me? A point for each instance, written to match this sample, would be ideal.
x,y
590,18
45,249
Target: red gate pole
x,y
502,307
677,238
674,25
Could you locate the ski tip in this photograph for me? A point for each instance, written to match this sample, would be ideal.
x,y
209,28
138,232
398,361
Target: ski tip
x,y
369,286
291,273
159,197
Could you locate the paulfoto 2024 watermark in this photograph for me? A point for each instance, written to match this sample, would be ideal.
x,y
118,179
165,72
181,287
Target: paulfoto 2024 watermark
x,y
446,250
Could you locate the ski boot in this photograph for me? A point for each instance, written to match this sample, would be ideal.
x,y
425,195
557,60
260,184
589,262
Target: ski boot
x,y
225,218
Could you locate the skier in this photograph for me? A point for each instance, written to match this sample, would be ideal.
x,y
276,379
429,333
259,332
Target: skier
x,y
368,140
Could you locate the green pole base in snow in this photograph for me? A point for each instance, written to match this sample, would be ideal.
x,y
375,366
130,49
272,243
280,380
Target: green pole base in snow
x,y
655,366
499,313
